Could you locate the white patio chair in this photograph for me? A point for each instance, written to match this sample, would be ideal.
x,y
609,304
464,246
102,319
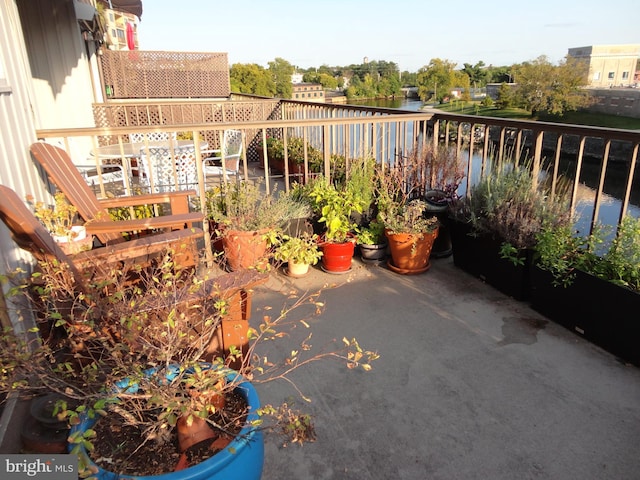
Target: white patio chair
x,y
226,160
168,170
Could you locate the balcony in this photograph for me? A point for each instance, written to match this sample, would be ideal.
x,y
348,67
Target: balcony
x,y
471,384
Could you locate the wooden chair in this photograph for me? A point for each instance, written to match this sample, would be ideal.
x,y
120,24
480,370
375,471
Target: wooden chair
x,y
66,177
90,266
29,234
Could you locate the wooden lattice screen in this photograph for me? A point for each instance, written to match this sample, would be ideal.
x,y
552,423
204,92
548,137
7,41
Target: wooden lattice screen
x,y
151,74
174,114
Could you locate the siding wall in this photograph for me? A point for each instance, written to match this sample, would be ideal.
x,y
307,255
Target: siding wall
x,y
17,126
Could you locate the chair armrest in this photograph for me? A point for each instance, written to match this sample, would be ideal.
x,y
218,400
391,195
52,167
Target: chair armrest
x,y
132,250
178,200
174,222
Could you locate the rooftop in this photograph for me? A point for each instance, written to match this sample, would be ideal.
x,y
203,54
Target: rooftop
x,y
471,384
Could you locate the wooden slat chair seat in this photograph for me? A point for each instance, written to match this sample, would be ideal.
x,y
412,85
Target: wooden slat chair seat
x,y
29,234
66,177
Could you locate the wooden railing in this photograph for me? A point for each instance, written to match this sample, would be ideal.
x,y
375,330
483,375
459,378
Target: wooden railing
x,y
386,134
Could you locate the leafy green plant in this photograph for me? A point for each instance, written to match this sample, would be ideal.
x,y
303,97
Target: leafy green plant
x,y
334,208
245,206
371,234
302,249
295,152
561,251
511,205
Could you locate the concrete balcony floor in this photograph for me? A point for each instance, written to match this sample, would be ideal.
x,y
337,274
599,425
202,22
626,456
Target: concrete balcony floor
x,y
471,384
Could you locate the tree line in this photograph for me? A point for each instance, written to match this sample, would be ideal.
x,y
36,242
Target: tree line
x,y
537,85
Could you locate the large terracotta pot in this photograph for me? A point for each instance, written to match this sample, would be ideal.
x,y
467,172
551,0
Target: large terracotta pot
x,y
410,252
336,256
245,249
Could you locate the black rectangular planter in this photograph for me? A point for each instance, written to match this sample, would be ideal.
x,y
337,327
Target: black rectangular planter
x,y
480,257
604,313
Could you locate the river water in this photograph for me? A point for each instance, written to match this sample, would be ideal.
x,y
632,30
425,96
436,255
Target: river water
x,y
610,208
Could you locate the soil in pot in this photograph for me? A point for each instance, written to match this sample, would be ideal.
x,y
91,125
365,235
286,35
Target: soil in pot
x,y
116,444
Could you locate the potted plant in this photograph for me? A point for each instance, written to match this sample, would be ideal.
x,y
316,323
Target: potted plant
x,y
572,273
60,220
334,207
433,173
296,150
409,228
246,221
493,229
410,231
372,242
135,370
299,252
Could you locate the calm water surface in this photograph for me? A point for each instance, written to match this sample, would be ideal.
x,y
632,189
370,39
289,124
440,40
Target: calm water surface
x,y
611,205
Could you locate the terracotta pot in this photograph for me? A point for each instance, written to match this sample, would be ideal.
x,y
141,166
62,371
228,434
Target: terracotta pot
x,y
336,256
189,435
245,249
410,252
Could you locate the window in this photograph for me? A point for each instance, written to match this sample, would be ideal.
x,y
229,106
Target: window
x,y
596,76
120,34
611,75
625,75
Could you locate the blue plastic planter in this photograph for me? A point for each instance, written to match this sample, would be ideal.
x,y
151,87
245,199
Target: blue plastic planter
x,y
242,458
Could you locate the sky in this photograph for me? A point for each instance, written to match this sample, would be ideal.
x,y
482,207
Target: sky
x,y
407,32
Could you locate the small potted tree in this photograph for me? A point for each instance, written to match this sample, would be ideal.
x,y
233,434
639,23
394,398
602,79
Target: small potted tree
x,y
410,229
433,174
136,370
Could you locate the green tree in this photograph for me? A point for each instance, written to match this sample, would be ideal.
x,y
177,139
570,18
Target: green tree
x,y
327,81
281,72
506,97
499,74
477,73
436,79
251,79
409,79
461,80
553,89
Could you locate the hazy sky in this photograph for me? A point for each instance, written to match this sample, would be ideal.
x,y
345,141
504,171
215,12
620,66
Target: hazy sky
x,y
407,32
